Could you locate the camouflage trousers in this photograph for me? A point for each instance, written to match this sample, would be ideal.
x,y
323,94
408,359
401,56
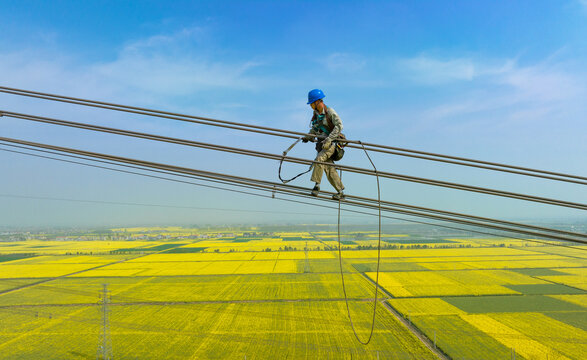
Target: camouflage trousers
x,y
331,174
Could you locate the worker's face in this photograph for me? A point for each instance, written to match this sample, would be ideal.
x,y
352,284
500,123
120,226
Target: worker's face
x,y
317,105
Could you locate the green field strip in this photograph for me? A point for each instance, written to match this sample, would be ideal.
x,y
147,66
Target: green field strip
x,y
577,319
459,339
539,272
150,248
388,267
295,238
545,289
580,300
13,257
418,241
498,304
185,250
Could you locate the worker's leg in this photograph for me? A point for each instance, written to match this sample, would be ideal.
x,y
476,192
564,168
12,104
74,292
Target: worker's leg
x,y
333,178
318,168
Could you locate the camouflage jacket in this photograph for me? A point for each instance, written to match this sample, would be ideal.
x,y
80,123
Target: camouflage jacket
x,y
328,124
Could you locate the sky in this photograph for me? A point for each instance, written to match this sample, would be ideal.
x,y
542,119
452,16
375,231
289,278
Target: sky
x,y
501,81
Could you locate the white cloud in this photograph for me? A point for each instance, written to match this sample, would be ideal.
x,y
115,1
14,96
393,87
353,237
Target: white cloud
x,y
152,67
427,70
497,85
173,76
430,71
184,36
344,62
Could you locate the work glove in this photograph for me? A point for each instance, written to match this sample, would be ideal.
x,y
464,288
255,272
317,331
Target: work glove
x,y
305,139
326,144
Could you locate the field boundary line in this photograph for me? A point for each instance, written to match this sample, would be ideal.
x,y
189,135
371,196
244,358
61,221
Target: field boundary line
x,y
194,302
416,332
412,328
548,253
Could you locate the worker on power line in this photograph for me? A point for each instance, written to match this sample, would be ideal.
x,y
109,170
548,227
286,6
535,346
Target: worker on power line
x,y
325,122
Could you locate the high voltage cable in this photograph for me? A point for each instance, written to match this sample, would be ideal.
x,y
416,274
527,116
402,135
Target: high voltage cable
x,y
260,154
294,134
411,207
280,188
350,196
299,191
266,196
152,205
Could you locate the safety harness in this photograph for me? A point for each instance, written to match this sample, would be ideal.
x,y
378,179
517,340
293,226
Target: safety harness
x,y
317,124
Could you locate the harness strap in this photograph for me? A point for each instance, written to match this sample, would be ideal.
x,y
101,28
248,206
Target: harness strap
x,y
319,125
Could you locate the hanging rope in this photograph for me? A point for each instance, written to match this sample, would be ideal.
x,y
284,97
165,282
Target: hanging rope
x,y
378,261
283,158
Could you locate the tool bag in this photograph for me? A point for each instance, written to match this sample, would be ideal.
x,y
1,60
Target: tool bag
x,y
339,151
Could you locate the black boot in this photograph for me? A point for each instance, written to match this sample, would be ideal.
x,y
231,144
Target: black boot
x,y
338,196
315,190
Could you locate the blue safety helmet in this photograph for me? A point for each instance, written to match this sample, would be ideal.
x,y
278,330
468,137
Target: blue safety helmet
x,y
314,95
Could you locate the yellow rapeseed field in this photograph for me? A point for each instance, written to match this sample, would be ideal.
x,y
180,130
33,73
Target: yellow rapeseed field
x,y
71,247
424,306
558,336
225,295
40,271
423,283
522,344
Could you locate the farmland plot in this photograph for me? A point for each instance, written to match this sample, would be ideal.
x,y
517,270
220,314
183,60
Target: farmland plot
x,y
300,330
429,283
566,339
459,339
190,289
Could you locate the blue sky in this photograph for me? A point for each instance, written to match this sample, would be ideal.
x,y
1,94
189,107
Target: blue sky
x,y
503,81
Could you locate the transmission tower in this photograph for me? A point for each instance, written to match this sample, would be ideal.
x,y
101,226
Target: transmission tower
x,y
105,343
